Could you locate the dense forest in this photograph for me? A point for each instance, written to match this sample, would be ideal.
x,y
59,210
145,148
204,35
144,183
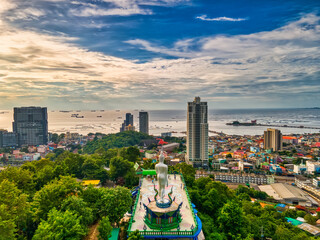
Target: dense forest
x,y
45,200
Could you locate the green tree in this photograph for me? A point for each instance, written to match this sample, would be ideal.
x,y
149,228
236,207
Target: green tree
x,y
22,178
215,236
114,202
188,172
148,164
135,235
80,207
104,228
92,168
55,138
131,179
13,209
71,163
310,219
24,149
283,233
132,154
52,195
231,220
60,225
7,224
91,196
119,167
43,172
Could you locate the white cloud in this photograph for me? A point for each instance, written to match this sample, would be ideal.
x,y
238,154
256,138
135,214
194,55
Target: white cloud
x,y
122,7
97,11
6,5
219,19
54,71
26,14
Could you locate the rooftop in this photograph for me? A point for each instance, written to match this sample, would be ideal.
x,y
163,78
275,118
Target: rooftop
x,y
93,182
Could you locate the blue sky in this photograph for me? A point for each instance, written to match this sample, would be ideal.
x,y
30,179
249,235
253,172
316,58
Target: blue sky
x,y
150,54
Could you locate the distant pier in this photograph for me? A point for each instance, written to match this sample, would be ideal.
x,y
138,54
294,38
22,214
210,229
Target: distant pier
x,y
254,123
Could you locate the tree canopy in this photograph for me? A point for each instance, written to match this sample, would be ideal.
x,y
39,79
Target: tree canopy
x,y
117,140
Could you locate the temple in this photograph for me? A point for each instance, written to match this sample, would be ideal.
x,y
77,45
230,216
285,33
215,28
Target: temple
x,y
163,208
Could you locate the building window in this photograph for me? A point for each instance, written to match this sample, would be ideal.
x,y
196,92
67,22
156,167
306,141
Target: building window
x,y
158,220
170,219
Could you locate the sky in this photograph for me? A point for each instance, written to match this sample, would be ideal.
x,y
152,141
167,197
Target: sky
x,y
159,54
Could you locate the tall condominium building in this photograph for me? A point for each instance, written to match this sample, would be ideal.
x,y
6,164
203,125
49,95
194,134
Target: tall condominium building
x,y
144,122
31,125
197,133
128,121
272,139
8,139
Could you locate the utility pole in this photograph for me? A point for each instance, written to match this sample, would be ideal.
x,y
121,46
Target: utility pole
x,y
262,234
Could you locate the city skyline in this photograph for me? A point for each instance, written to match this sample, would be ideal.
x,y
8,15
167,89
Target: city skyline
x,y
112,54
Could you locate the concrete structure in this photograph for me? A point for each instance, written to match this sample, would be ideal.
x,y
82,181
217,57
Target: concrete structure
x,y
144,122
273,139
290,139
244,178
170,147
31,125
316,182
307,184
8,139
197,133
287,193
150,154
299,169
166,134
244,166
310,229
313,167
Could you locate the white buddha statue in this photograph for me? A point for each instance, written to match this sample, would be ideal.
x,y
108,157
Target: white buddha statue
x,y
162,175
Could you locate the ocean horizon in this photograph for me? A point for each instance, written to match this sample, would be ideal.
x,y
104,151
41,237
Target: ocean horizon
x,y
109,121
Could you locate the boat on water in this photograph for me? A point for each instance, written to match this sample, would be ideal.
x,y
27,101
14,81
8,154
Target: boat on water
x,y
237,123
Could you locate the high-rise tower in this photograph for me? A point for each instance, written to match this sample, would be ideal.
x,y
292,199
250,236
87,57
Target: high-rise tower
x,y
272,139
197,133
31,125
144,122
128,121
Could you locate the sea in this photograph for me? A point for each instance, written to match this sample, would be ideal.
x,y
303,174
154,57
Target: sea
x,y
160,121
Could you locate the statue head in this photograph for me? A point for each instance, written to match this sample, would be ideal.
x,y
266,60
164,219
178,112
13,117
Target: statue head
x,y
161,157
